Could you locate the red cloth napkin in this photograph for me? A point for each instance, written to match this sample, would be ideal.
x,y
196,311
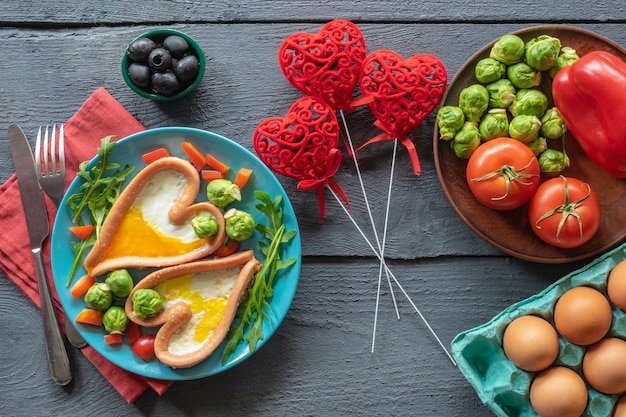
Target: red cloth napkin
x,y
101,115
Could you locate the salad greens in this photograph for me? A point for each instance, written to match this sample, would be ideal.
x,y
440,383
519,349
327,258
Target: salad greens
x,y
256,307
101,187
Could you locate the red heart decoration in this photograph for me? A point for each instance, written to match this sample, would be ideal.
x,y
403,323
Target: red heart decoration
x,y
303,145
403,93
327,64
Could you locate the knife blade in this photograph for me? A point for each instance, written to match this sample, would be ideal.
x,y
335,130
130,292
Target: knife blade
x,y
38,229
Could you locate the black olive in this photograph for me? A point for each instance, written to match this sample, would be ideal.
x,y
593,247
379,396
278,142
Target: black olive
x,y
139,49
177,45
165,83
139,74
159,59
186,68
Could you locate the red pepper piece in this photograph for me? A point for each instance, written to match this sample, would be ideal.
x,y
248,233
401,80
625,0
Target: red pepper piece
x,y
590,97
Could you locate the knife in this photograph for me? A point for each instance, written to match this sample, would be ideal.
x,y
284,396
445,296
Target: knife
x,y
37,223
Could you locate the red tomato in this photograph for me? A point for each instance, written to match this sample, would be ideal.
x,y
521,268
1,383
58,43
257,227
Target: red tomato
x,y
564,212
503,173
228,248
144,347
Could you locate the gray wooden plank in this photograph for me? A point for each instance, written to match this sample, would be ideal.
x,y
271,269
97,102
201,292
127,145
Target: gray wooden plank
x,y
120,12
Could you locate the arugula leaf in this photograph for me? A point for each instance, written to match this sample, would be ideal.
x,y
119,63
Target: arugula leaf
x,y
256,307
100,189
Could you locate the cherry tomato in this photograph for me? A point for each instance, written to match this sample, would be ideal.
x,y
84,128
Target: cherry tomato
x,y
228,248
503,173
144,347
564,212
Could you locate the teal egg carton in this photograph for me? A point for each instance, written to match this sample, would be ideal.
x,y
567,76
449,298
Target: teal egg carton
x,y
503,387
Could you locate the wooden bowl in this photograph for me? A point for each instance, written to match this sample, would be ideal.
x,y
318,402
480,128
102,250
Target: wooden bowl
x,y
510,231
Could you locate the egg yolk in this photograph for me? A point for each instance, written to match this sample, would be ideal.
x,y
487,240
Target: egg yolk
x,y
208,312
138,237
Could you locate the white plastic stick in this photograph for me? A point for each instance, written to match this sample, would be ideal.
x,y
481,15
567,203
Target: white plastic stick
x,y
382,252
367,205
382,260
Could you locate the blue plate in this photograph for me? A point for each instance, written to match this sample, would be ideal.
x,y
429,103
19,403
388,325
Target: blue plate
x,y
129,151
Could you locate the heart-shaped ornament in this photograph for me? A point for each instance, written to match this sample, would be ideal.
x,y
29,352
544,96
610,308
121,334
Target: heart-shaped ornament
x,y
302,145
327,64
150,223
403,93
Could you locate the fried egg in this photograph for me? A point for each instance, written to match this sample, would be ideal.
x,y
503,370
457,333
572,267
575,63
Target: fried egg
x,y
145,229
206,294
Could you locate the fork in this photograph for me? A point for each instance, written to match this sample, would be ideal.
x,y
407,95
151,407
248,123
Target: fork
x,y
51,176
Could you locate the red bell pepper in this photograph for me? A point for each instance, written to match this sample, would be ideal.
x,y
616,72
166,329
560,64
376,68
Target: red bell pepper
x,y
591,97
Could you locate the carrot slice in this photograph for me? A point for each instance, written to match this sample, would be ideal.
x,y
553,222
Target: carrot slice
x,y
216,164
133,331
81,286
228,248
152,156
195,156
90,316
242,177
113,338
82,232
211,174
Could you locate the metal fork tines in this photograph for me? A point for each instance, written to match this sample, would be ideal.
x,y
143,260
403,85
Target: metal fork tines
x,y
50,168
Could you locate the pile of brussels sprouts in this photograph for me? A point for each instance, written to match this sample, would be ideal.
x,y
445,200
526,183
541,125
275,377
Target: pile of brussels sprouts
x,y
507,100
101,296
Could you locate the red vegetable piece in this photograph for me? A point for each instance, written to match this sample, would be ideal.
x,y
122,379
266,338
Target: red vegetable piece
x,y
154,155
82,232
590,97
144,347
113,338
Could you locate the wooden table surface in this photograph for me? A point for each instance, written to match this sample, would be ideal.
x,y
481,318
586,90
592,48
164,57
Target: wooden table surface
x,y
320,361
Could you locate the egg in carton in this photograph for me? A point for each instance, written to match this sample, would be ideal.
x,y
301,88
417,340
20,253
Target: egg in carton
x,y
505,388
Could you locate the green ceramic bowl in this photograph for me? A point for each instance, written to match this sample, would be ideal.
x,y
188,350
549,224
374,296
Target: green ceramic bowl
x,y
158,36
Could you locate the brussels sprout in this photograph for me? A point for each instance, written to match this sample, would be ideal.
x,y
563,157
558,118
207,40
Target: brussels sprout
x,y
474,101
538,145
494,124
552,124
524,128
120,283
449,119
501,93
488,70
146,302
530,102
99,296
523,76
552,162
466,141
115,320
239,224
222,192
509,49
204,226
568,57
542,52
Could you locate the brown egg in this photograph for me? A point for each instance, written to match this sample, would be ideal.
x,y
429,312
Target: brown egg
x,y
531,343
558,392
619,410
604,365
583,315
616,285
